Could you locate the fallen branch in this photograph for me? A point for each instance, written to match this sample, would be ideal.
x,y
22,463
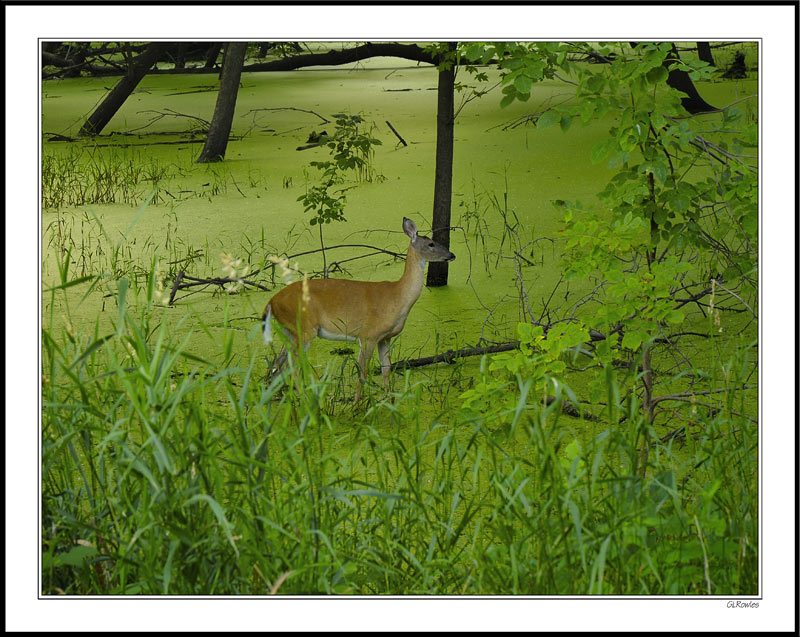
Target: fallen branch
x,y
689,395
183,281
220,281
341,245
288,108
168,112
396,133
175,286
450,355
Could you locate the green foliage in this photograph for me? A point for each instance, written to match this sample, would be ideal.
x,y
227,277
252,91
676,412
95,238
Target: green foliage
x,y
522,64
577,517
164,473
84,176
534,369
350,150
676,198
641,299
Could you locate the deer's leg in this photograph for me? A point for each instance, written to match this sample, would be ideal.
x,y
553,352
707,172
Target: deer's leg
x,y
386,366
365,353
292,347
280,359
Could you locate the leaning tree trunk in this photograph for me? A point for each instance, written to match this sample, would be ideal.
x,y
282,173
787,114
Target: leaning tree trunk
x,y
443,182
212,55
704,52
680,80
217,138
116,98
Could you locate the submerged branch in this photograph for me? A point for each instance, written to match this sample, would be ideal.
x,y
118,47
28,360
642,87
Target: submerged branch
x,y
450,355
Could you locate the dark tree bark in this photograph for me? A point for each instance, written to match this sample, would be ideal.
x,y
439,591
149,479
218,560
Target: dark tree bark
x,y
217,138
80,59
116,98
212,55
443,182
346,56
681,81
704,52
194,51
180,56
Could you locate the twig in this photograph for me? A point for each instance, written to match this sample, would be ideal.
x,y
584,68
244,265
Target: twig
x,y
175,286
738,297
344,245
220,281
396,133
170,113
288,108
682,397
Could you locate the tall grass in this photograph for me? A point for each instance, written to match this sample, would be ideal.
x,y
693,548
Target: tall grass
x,y
85,175
165,473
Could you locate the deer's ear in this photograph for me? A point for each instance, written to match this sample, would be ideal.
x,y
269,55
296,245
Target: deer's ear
x,y
410,228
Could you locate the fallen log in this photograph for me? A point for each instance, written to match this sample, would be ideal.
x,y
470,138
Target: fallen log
x,y
450,355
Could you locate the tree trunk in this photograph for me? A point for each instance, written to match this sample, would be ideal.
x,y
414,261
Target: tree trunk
x,y
681,81
180,56
116,98
443,183
704,52
346,56
217,138
649,409
212,55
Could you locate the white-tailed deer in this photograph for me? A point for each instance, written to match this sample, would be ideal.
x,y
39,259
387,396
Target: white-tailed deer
x,y
371,312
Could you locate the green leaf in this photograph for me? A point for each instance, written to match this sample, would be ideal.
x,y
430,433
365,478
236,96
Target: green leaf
x,y
657,168
122,292
510,97
603,106
74,557
601,150
674,317
658,121
523,84
632,340
193,357
69,284
660,171
595,83
586,109
657,75
547,118
90,349
219,513
679,203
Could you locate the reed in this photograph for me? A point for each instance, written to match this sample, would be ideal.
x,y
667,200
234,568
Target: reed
x,y
167,473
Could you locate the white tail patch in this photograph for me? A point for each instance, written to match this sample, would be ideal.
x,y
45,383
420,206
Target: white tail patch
x,y
267,330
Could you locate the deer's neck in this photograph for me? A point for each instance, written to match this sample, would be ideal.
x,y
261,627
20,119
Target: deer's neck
x,y
413,276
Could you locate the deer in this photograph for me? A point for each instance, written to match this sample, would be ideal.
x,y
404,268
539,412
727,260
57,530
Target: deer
x,y
370,312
